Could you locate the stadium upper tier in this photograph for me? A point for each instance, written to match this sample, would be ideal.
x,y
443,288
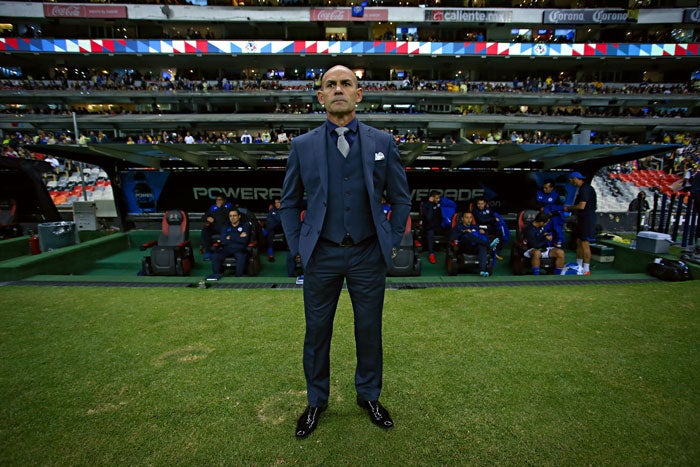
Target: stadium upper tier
x,y
164,43
378,41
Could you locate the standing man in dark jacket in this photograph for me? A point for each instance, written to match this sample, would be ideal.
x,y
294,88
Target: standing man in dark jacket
x,y
584,206
639,203
343,168
695,194
273,225
432,222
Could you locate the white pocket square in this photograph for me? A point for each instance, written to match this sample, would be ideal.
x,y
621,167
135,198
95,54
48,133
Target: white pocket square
x,y
378,156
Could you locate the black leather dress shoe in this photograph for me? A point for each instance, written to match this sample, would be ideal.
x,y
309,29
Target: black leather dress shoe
x,y
308,421
377,413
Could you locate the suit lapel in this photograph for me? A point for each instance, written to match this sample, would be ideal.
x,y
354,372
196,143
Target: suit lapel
x,y
317,147
367,147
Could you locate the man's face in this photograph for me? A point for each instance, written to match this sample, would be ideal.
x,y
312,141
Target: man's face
x,y
577,182
219,201
547,188
339,92
278,204
467,218
234,217
481,204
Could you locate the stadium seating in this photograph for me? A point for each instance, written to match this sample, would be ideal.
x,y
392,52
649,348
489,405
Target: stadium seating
x,y
171,254
65,190
616,190
648,178
407,262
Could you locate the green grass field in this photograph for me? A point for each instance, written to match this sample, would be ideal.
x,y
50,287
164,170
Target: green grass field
x,y
563,375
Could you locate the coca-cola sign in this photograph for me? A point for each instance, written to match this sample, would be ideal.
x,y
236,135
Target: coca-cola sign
x,y
345,14
67,10
468,16
585,17
691,15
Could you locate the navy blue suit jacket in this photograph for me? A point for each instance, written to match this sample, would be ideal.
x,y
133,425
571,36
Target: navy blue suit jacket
x,y
307,177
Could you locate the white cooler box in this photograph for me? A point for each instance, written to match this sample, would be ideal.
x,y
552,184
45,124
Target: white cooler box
x,y
653,242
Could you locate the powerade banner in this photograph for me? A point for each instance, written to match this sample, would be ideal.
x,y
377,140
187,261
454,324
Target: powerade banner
x,y
195,191
142,190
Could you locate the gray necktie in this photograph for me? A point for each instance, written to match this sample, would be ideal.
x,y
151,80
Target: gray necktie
x,y
343,145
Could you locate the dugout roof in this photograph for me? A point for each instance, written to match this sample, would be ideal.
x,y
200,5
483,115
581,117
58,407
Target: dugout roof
x,y
416,156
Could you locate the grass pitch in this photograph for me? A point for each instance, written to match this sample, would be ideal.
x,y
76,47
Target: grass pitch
x,y
565,375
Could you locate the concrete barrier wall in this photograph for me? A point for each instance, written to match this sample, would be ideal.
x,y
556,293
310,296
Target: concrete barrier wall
x,y
73,259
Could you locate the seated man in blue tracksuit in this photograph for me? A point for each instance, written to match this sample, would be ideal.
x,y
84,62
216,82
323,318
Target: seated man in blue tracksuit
x,y
493,222
538,243
214,219
473,240
235,237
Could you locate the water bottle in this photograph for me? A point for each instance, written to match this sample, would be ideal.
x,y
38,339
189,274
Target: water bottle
x,y
633,244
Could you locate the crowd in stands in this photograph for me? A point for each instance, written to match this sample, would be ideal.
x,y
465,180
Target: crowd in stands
x,y
556,111
12,144
114,82
137,82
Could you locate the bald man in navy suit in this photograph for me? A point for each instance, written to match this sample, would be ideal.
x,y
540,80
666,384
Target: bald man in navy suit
x,y
342,169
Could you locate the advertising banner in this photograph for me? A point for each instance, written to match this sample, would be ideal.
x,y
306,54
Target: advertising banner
x,y
67,10
142,190
441,15
585,17
691,15
349,14
194,191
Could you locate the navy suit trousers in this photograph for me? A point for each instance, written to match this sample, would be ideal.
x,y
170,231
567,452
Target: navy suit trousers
x,y
240,253
364,270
